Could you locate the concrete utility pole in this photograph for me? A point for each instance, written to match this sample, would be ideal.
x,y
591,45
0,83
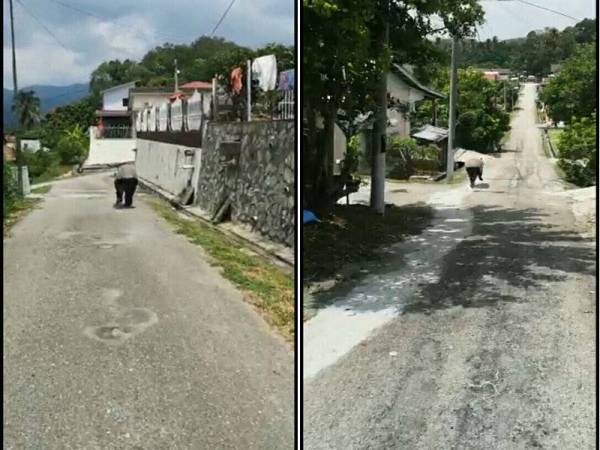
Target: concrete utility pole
x,y
452,113
380,127
18,154
176,78
249,89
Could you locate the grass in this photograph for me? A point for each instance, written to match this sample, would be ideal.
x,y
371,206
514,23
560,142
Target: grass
x,y
41,189
354,234
16,211
554,134
269,288
52,173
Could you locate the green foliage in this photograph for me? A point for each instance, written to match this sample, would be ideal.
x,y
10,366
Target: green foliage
x,y
72,146
578,151
9,189
533,54
78,114
481,121
406,157
573,91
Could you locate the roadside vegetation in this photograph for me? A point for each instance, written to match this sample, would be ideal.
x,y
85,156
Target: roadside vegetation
x,y
14,206
268,287
571,97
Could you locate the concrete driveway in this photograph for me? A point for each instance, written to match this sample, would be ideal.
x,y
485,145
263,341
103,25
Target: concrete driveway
x,y
118,334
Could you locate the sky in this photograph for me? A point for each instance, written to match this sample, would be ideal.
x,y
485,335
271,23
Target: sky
x,y
120,29
129,28
512,19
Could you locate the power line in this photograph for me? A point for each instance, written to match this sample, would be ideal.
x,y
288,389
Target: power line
x,y
550,10
525,2
106,19
42,25
222,18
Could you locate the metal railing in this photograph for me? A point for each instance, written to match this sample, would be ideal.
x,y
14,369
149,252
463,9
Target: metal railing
x,y
114,132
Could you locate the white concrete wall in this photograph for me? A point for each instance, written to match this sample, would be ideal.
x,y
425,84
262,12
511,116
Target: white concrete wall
x,y
105,152
139,99
166,165
112,100
31,144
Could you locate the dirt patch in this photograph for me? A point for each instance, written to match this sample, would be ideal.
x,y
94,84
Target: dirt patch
x,y
353,234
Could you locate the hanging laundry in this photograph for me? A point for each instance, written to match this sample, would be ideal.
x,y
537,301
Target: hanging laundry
x,y
287,80
264,69
236,80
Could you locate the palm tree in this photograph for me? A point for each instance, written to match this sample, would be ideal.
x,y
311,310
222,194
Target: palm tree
x,y
27,107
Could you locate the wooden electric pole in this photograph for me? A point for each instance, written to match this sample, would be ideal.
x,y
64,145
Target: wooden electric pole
x,y
380,125
18,154
452,113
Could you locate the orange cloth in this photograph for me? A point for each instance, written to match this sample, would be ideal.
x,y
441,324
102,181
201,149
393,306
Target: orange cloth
x,y
236,80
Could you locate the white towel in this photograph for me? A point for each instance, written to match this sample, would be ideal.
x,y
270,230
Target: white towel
x,y
264,69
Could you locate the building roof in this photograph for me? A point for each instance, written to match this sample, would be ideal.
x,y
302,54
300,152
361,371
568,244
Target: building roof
x,y
431,134
413,82
113,88
197,85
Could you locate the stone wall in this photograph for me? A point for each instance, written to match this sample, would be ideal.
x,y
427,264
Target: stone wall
x,y
252,164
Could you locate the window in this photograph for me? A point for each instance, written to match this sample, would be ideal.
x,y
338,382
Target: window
x,y
125,102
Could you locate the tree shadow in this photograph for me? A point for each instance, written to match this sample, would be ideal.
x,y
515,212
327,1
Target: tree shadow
x,y
511,248
507,252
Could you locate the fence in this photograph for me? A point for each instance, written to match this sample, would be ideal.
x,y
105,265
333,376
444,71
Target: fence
x,y
114,132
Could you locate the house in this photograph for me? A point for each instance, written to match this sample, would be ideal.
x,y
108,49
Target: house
x,y
33,145
115,111
555,68
112,141
404,92
431,135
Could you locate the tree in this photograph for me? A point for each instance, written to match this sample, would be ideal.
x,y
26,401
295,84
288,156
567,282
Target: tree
x,y
27,107
343,58
481,122
572,93
72,146
578,151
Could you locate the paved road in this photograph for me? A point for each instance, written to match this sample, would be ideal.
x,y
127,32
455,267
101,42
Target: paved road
x,y
119,335
481,333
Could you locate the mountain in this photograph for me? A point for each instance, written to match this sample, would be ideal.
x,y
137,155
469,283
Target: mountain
x,y
50,98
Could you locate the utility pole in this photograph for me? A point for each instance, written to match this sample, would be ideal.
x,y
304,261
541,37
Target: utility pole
x,y
504,87
18,154
176,78
380,125
452,113
249,90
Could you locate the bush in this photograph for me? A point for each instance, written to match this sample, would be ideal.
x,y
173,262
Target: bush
x,y
9,189
72,146
406,157
578,152
41,163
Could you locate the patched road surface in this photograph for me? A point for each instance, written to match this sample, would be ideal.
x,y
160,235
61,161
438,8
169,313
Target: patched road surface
x,y
119,335
480,336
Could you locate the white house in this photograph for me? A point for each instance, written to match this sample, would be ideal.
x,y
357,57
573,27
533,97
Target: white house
x,y
33,145
112,141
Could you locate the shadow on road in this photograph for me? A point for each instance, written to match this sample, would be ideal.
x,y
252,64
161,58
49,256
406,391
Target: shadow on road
x,y
510,249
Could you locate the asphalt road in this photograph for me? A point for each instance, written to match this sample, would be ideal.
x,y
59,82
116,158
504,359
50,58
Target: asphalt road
x,y
118,334
492,347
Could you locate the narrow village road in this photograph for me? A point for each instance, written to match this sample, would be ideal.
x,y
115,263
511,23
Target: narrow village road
x,y
480,335
190,366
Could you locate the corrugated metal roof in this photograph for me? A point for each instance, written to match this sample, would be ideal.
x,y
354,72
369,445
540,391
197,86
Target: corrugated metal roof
x,y
431,133
197,85
412,81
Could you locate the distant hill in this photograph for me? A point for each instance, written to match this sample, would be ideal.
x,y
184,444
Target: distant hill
x,y
50,97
